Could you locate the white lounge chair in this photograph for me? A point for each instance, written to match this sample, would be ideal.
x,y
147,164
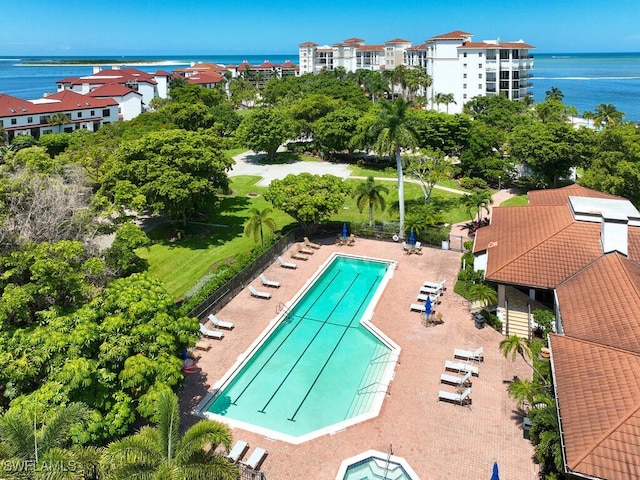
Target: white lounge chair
x,y
257,457
259,293
458,398
461,367
207,332
310,244
238,450
453,380
422,297
430,290
417,248
220,323
285,264
438,285
472,355
269,283
416,307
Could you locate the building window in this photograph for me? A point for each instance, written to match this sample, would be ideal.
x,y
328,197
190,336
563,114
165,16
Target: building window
x,y
464,65
479,65
479,54
14,121
464,96
79,114
93,113
29,119
479,75
464,85
480,86
106,112
464,75
464,54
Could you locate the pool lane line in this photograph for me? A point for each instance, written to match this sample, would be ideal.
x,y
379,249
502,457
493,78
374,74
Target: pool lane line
x,y
300,319
284,379
326,362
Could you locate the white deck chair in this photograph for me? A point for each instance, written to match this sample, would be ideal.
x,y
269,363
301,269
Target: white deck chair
x,y
430,290
238,450
439,284
453,380
256,458
286,264
461,367
259,293
220,323
472,355
207,332
422,297
269,283
457,398
416,307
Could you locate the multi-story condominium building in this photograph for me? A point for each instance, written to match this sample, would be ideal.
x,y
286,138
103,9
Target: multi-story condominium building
x,y
456,64
34,117
133,88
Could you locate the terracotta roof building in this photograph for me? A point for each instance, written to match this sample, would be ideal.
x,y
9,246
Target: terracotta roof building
x,y
33,117
577,251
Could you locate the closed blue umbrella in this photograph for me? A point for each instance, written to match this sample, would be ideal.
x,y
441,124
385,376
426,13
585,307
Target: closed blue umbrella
x,y
344,229
495,476
427,306
412,238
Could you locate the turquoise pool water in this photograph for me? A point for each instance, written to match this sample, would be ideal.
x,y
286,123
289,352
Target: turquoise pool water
x,y
375,468
319,366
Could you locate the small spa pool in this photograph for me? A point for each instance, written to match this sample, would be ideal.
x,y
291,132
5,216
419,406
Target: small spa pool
x,y
319,364
374,465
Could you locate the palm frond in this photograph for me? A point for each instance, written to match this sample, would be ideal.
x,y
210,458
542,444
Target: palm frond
x,y
17,434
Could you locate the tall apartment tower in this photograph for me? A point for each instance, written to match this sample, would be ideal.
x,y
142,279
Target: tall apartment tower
x,y
470,69
456,64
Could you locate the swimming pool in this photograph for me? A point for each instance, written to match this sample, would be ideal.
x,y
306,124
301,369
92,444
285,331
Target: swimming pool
x,y
320,365
374,465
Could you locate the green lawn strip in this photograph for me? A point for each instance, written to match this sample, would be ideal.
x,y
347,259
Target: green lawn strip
x,y
235,151
180,264
516,201
358,171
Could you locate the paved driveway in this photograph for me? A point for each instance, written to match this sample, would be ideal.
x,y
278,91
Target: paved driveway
x,y
249,163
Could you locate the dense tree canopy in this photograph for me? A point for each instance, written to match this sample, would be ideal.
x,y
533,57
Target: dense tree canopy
x,y
310,199
173,171
264,130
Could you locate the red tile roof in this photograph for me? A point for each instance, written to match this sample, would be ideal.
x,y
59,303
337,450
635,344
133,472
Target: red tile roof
x,y
66,100
288,64
598,392
422,46
490,45
398,40
308,44
371,48
112,90
354,40
205,78
455,35
602,303
109,76
560,196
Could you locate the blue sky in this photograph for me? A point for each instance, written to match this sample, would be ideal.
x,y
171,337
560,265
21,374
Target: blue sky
x,y
206,27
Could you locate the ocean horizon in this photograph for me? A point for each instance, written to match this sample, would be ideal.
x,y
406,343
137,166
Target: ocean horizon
x,y
586,79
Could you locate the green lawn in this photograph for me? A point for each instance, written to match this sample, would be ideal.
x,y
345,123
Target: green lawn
x,y
516,201
219,235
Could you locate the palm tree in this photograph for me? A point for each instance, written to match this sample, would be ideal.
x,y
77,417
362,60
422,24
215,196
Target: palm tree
x,y
27,438
607,114
259,219
59,119
588,116
160,452
482,294
516,345
448,98
554,94
438,99
368,193
392,132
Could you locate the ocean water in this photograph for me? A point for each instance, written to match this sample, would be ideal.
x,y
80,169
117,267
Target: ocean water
x,y
589,79
586,79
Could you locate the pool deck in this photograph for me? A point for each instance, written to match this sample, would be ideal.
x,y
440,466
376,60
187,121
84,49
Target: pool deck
x,y
438,439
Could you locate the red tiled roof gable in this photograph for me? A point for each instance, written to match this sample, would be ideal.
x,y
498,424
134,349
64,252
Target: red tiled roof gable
x,y
112,90
398,40
371,48
455,35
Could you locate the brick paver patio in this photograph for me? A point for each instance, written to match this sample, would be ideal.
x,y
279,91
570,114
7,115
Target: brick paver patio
x,y
438,439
